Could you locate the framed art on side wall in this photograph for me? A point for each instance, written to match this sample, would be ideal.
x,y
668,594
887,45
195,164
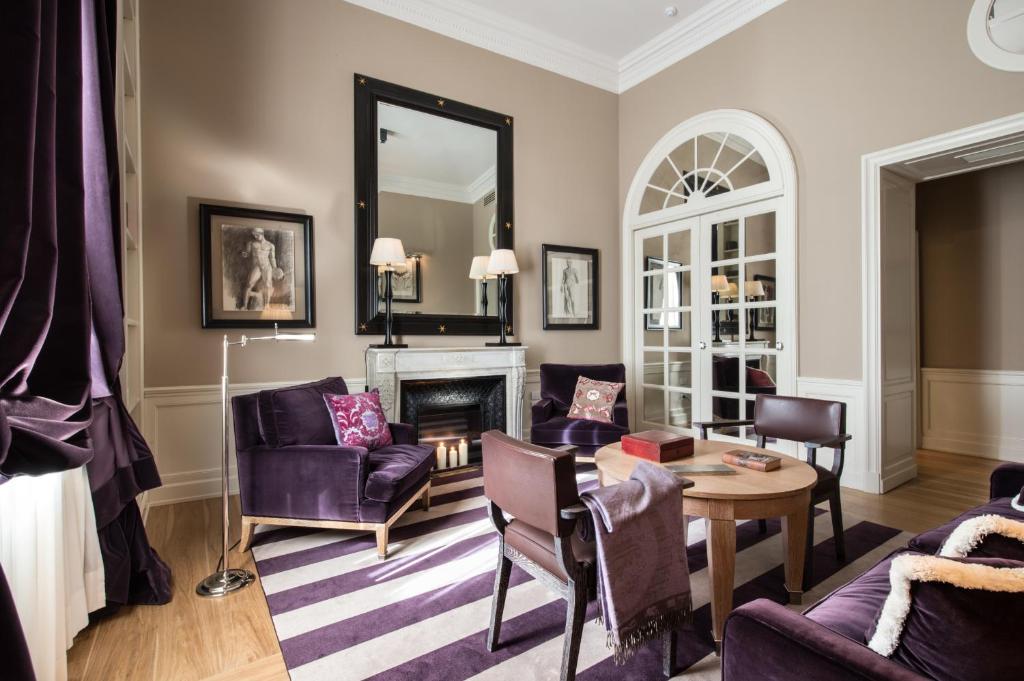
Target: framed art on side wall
x,y
257,268
570,288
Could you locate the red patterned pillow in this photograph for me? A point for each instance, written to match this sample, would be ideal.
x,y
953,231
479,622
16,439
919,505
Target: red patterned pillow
x,y
594,400
359,420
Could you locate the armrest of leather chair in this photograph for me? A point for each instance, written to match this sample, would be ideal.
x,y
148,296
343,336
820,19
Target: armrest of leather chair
x,y
542,410
403,433
302,481
705,426
765,641
1007,480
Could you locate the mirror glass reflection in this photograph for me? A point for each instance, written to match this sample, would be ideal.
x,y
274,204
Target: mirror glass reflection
x,y
437,193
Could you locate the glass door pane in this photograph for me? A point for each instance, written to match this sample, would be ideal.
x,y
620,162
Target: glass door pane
x,y
663,367
739,320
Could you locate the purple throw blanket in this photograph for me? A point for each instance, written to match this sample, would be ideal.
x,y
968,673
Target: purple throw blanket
x,y
642,576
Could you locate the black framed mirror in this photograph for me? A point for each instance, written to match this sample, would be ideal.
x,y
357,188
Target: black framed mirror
x,y
437,174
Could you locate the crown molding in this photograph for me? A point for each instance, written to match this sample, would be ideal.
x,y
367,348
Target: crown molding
x,y
428,189
696,31
480,187
470,23
491,31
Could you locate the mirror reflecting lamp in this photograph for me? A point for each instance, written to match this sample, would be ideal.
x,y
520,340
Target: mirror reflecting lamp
x,y
501,264
719,286
753,290
387,255
478,271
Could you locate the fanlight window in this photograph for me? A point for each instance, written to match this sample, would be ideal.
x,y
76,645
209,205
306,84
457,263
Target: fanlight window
x,y
705,166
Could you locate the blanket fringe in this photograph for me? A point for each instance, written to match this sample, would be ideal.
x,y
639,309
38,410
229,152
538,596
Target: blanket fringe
x,y
626,646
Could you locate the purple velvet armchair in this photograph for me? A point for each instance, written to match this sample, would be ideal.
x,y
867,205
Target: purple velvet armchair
x,y
291,471
765,641
551,428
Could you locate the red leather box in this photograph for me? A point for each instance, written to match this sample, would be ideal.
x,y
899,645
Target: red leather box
x,y
658,445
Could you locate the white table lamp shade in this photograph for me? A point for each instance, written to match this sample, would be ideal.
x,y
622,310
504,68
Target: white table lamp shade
x,y
387,251
753,288
478,270
502,261
719,283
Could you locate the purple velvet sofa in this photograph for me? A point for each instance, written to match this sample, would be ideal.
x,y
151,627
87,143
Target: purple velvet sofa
x,y
765,641
550,427
291,470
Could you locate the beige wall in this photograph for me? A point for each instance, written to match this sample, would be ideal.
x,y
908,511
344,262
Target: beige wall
x,y
250,101
443,232
839,79
970,242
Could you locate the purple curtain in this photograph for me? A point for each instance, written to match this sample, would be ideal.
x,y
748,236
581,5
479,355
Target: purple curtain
x,y
61,334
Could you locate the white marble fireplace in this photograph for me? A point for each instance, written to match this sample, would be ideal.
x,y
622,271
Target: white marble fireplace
x,y
387,368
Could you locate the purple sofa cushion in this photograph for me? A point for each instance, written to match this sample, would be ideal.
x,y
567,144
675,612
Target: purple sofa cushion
x,y
959,634
993,546
852,609
396,469
563,430
296,415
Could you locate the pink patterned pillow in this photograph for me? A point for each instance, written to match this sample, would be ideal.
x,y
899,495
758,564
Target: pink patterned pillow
x,y
594,400
358,420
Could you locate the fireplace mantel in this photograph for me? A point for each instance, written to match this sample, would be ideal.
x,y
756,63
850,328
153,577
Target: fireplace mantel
x,y
387,368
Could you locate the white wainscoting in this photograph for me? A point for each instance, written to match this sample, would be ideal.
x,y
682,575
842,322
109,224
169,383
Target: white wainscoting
x,y
858,471
974,412
182,426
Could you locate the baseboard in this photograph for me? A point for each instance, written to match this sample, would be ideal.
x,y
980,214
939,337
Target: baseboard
x,y
182,426
974,412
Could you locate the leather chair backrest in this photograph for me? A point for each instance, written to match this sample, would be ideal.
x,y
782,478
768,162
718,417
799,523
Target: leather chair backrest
x,y
558,381
530,482
798,418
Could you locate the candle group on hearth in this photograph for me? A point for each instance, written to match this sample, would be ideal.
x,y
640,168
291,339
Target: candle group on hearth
x,y
450,457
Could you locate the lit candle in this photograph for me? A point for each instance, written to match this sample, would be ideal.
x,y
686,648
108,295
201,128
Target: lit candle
x,y
453,457
463,453
442,458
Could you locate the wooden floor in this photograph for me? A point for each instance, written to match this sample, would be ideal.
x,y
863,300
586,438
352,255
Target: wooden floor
x,y
196,639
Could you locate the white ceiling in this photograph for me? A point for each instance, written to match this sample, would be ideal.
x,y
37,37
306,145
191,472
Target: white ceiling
x,y
611,44
434,156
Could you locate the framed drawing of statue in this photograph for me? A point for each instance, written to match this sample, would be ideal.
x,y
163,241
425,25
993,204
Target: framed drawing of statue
x,y
571,288
257,268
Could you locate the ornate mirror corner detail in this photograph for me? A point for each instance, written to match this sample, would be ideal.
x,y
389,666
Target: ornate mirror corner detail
x,y
443,211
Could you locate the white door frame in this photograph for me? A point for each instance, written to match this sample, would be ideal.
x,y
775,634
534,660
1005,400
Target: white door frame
x,y
871,256
782,184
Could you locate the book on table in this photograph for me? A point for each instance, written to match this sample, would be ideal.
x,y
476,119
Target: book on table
x,y
657,445
755,461
701,469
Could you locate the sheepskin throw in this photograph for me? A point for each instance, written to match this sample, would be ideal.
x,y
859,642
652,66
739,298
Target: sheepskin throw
x,y
909,568
971,532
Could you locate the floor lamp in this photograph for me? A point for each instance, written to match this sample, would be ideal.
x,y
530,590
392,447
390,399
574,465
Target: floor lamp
x,y
225,579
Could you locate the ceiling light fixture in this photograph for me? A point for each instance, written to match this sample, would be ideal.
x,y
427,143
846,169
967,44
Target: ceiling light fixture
x,y
671,11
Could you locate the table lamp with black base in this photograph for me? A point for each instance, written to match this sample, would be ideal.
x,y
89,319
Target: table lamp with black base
x,y
502,264
388,254
225,579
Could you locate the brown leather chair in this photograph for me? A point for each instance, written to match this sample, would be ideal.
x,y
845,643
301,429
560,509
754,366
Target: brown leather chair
x,y
550,534
817,424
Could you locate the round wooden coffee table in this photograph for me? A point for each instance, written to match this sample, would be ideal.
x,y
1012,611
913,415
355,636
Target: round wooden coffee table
x,y
722,500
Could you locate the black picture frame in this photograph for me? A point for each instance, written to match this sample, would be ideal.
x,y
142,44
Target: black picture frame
x,y
216,316
589,256
764,317
412,264
369,315
649,292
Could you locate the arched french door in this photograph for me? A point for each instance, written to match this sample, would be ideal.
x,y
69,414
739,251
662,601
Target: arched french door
x,y
709,280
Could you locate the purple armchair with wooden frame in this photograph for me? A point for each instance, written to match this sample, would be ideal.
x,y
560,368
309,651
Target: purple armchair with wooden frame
x,y
551,427
291,470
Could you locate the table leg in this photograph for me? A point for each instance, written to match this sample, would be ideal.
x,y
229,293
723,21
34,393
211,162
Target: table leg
x,y
721,543
794,542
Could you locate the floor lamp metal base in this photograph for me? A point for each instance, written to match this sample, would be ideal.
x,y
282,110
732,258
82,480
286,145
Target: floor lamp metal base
x,y
224,582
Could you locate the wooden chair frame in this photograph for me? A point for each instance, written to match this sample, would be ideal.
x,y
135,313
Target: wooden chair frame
x,y
249,523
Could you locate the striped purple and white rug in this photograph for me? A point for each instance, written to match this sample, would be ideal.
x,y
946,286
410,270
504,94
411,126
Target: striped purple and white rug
x,y
422,614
